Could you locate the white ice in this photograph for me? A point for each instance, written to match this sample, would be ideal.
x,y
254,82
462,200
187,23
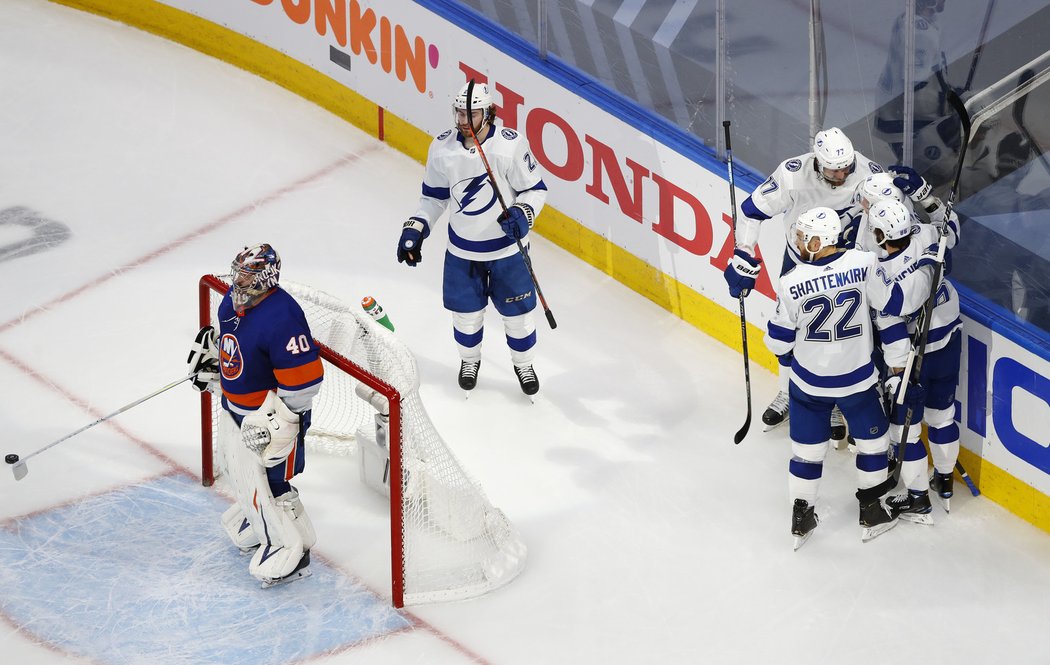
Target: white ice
x,y
652,538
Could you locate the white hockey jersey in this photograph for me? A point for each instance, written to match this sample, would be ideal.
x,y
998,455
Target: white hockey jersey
x,y
824,319
794,188
929,100
455,178
900,269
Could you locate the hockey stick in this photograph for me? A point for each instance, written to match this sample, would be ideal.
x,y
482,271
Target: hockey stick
x,y
913,367
980,46
18,466
492,179
739,436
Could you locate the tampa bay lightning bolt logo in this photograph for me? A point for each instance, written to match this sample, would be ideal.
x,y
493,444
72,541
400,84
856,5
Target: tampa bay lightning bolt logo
x,y
793,165
445,135
475,195
231,362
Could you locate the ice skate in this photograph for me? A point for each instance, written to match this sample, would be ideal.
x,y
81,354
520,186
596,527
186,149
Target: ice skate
x,y
302,571
803,520
777,411
876,519
468,374
943,485
912,507
838,429
530,384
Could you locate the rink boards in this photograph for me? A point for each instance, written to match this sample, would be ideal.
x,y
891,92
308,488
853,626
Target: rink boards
x,y
625,197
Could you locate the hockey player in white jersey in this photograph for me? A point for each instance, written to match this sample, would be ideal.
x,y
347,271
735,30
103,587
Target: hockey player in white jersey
x,y
827,176
823,328
482,261
903,244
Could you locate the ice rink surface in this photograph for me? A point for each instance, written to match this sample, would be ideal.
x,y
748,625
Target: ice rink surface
x,y
129,166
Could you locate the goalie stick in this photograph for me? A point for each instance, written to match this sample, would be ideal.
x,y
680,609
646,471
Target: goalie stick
x,y
503,204
742,432
18,466
918,351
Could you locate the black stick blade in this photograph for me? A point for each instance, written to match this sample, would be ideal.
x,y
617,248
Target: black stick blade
x,y
739,436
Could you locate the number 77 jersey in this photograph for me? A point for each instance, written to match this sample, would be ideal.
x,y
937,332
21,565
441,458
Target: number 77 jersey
x,y
268,348
824,319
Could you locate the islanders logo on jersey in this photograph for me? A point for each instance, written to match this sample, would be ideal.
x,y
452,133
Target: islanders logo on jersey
x,y
231,362
474,195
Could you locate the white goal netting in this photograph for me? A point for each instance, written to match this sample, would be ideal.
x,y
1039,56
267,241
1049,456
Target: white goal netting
x,y
456,544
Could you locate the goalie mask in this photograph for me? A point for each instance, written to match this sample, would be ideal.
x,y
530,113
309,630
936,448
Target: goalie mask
x,y
835,157
254,273
888,220
822,223
481,105
877,187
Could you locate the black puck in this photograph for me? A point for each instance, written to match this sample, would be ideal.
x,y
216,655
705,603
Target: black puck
x,y
11,459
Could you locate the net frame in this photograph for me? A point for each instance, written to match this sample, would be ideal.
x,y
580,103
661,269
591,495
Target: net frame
x,y
447,542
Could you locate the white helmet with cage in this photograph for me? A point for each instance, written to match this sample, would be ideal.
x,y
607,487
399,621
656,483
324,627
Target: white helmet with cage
x,y
889,219
480,100
877,187
255,272
819,222
833,150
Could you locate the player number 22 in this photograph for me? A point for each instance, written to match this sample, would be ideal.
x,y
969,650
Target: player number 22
x,y
297,345
842,309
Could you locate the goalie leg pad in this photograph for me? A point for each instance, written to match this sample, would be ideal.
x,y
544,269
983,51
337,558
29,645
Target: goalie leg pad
x,y
239,529
289,534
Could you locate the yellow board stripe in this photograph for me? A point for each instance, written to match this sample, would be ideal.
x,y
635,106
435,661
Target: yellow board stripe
x,y
1016,496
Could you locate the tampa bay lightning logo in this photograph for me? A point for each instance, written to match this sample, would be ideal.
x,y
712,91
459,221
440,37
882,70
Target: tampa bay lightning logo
x,y
509,134
444,135
793,164
875,168
231,361
932,153
474,195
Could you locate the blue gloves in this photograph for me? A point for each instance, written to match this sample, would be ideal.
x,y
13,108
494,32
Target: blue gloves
x,y
741,273
910,182
914,399
410,246
516,220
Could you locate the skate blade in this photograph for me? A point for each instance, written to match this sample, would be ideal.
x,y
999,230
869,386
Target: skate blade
x,y
916,518
801,540
769,428
297,575
871,532
946,502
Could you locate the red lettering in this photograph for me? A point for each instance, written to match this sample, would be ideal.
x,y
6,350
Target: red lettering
x,y
605,159
297,11
361,27
384,44
701,240
538,120
330,14
508,112
263,2
763,285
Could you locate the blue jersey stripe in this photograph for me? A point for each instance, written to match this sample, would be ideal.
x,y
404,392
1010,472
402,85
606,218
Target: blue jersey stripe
x,y
836,381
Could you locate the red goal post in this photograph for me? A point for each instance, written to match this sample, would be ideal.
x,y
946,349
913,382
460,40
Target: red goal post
x,y
447,542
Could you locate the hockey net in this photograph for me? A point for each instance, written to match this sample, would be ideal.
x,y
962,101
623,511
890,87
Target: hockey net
x,y
448,542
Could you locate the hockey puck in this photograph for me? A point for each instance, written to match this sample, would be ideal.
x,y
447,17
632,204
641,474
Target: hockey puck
x,y
11,459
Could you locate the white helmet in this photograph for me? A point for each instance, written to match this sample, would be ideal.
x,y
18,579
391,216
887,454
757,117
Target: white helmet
x,y
480,99
820,222
877,187
889,219
833,150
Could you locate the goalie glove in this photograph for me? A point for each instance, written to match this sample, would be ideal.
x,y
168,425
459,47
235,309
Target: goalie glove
x,y
203,360
271,431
